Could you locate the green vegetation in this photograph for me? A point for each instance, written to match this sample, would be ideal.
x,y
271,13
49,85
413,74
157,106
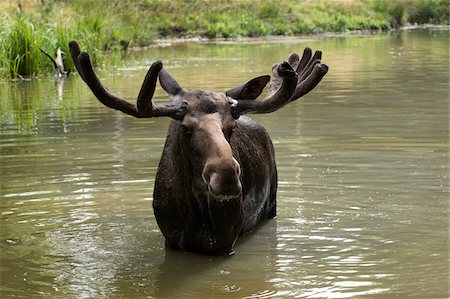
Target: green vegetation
x,y
105,27
21,56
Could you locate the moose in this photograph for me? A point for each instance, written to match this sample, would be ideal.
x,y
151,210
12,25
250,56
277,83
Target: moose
x,y
217,177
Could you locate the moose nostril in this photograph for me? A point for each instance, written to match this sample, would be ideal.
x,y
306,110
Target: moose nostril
x,y
224,187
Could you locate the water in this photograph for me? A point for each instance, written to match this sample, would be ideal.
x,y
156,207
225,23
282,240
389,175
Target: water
x,y
363,179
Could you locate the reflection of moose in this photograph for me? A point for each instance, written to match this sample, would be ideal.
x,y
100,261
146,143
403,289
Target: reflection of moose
x,y
217,176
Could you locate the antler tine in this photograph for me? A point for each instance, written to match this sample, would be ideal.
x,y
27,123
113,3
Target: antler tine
x,y
276,81
74,53
306,57
290,81
144,107
287,78
319,70
309,69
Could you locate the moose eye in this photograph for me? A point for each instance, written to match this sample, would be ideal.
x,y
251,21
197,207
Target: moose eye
x,y
185,130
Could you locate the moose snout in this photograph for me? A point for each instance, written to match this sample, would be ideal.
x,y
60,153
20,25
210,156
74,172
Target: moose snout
x,y
222,178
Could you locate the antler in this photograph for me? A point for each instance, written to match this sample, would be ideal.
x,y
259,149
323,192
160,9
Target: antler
x,y
144,107
309,69
291,80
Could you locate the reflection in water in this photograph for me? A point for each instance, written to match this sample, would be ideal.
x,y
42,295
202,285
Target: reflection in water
x,y
59,84
117,145
363,180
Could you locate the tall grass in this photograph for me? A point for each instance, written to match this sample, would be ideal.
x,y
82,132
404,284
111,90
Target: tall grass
x,y
20,44
20,47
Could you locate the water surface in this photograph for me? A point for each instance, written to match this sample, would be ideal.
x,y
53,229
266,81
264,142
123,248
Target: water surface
x,y
363,179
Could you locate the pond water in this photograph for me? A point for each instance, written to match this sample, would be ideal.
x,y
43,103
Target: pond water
x,y
363,201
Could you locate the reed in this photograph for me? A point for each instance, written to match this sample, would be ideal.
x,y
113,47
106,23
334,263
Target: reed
x,y
19,44
20,41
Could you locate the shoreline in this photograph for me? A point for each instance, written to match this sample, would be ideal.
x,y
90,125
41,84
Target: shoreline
x,y
171,41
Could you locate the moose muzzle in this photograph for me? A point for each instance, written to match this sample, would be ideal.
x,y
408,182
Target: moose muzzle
x,y
223,178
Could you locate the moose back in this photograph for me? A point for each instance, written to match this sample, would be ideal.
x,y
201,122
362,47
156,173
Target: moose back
x,y
217,176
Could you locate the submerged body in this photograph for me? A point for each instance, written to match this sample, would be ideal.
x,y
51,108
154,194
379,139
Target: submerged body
x,y
193,220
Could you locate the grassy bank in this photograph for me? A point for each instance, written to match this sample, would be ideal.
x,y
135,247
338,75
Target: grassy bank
x,y
105,27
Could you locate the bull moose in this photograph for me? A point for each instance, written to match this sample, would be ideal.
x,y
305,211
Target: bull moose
x,y
217,176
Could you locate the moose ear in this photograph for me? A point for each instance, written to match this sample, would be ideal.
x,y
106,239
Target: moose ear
x,y
250,90
168,83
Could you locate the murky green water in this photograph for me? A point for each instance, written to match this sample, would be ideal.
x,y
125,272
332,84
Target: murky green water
x,y
363,180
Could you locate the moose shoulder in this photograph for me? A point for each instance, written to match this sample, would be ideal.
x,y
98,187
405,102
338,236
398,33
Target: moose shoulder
x,y
217,175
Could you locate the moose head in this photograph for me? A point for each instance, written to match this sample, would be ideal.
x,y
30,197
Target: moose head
x,y
217,175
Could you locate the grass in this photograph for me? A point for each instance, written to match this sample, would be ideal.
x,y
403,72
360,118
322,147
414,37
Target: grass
x,y
106,27
19,47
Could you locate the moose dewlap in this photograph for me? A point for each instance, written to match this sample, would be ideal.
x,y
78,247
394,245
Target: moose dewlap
x,y
217,176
